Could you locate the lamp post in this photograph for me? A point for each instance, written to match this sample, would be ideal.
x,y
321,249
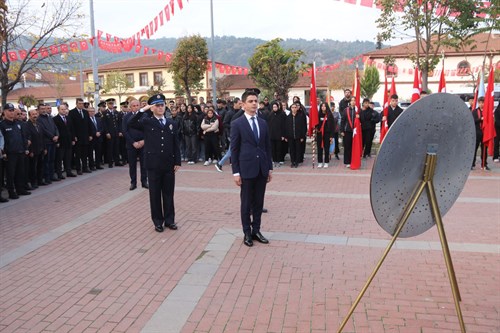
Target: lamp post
x,y
212,55
94,55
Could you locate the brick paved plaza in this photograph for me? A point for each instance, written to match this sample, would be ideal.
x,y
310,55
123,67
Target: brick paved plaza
x,y
82,256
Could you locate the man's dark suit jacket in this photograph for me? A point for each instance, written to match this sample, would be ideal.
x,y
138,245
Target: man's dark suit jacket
x,y
81,126
131,134
66,135
249,157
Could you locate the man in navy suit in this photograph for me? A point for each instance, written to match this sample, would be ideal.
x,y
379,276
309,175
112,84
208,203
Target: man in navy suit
x,y
97,133
81,129
252,165
162,159
134,142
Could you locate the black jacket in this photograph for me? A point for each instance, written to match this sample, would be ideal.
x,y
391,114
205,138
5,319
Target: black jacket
x,y
368,119
35,135
295,127
345,125
66,135
81,126
392,114
276,123
329,125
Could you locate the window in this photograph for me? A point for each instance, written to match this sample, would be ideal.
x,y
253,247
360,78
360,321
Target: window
x,y
143,79
463,68
158,78
130,78
101,80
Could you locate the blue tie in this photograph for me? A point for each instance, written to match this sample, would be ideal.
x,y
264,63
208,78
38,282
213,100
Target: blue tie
x,y
162,122
254,129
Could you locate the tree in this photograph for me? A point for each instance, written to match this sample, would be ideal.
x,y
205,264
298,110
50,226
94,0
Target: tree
x,y
432,23
28,100
370,82
157,88
189,64
222,84
276,69
116,83
25,27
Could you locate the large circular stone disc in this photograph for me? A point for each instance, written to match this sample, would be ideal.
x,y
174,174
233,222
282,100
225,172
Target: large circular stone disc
x,y
441,119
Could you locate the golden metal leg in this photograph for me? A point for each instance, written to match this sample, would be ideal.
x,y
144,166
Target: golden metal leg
x,y
446,253
429,169
406,214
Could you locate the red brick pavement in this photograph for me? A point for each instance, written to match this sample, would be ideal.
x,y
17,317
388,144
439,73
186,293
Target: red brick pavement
x,y
113,273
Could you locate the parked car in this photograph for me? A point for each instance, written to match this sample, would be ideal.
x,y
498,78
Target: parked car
x,y
404,105
378,107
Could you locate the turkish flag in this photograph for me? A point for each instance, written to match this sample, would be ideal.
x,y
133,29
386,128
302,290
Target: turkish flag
x,y
385,112
33,54
4,57
179,2
160,55
442,82
167,13
488,118
160,15
357,143
416,89
54,49
12,55
313,102
84,45
73,46
23,54
44,52
172,6
146,49
138,48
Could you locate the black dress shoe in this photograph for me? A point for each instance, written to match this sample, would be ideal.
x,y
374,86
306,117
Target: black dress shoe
x,y
132,187
61,177
172,226
99,168
264,210
110,165
55,179
260,238
78,172
2,199
158,228
87,171
337,156
24,193
43,183
70,174
13,195
145,186
119,164
247,240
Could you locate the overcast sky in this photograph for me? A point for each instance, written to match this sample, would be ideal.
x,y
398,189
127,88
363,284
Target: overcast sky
x,y
265,19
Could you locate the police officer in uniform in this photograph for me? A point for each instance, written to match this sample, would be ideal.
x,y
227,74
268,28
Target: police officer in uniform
x,y
162,158
16,149
112,127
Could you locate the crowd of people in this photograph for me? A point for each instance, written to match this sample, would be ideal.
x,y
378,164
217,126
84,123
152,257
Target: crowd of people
x,y
38,148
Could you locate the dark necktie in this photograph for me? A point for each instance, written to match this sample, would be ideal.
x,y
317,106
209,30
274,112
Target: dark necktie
x,y
64,119
254,129
81,113
162,122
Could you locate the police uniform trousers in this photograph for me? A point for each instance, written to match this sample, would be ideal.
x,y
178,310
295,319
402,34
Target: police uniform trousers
x,y
113,150
161,195
15,172
252,202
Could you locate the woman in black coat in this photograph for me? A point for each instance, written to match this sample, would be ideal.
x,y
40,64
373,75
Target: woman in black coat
x,y
324,134
276,123
295,134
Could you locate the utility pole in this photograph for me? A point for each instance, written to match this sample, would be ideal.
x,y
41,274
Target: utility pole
x,y
94,55
212,55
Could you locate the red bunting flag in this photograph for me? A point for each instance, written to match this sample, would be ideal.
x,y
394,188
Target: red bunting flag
x,y
54,49
23,54
156,24
146,49
416,89
138,48
313,101
33,54
73,46
84,46
160,15
4,57
151,28
12,55
168,56
488,118
179,2
44,52
146,28
160,55
108,37
172,6
167,13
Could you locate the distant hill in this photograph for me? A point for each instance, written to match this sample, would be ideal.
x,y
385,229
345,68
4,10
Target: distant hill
x,y
236,51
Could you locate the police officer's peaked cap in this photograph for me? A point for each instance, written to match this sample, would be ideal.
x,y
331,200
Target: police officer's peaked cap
x,y
110,100
101,104
155,99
